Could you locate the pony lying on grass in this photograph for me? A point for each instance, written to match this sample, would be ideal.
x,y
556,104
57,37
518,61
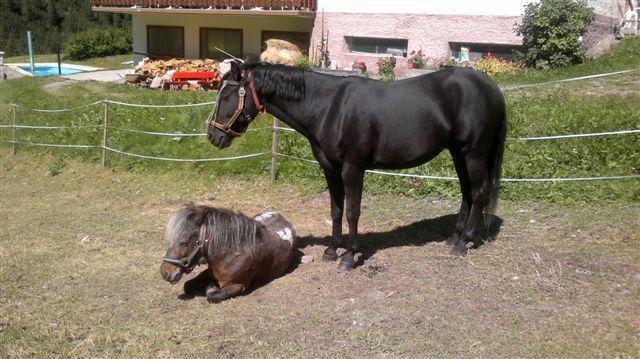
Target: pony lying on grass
x,y
239,250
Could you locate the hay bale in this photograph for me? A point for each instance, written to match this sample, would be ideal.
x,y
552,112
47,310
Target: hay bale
x,y
281,52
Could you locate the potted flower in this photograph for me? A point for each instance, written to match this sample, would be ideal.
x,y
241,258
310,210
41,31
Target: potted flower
x,y
359,66
447,63
417,60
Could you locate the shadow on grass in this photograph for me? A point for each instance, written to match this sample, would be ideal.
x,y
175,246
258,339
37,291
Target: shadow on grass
x,y
414,234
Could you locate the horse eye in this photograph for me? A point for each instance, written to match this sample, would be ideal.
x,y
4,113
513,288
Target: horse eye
x,y
184,244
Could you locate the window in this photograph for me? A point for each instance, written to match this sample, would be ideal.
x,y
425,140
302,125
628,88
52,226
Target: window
x,y
477,51
165,41
229,40
300,39
379,46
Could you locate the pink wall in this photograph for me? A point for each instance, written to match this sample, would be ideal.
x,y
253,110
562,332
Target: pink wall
x,y
431,32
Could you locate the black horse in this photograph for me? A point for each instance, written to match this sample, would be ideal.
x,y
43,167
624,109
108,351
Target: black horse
x,y
354,124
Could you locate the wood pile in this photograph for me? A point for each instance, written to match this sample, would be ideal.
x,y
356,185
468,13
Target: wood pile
x,y
155,73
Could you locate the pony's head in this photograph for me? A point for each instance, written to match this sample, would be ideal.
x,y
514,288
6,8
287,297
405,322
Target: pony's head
x,y
236,107
185,233
242,96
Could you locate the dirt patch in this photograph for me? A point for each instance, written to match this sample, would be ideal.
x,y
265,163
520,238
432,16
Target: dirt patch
x,y
81,277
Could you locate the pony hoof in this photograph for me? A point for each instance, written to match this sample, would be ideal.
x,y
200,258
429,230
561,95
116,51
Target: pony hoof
x,y
217,296
330,255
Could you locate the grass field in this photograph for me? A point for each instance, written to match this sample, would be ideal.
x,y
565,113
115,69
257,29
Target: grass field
x,y
80,257
605,104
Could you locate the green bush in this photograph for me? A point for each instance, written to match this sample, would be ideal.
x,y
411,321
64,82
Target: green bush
x,y
99,42
386,69
550,31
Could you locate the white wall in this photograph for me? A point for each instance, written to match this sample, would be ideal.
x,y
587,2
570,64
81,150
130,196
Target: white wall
x,y
252,27
452,7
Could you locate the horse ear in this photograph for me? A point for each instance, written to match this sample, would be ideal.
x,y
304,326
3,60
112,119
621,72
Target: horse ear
x,y
236,71
199,215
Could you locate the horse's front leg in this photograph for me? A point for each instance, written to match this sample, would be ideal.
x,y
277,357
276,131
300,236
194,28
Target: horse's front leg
x,y
228,291
336,191
198,283
352,178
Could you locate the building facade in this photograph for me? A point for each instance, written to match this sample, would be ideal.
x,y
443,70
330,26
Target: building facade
x,y
351,30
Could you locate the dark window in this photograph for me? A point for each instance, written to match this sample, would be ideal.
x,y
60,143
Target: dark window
x,y
379,46
166,41
477,51
229,40
300,39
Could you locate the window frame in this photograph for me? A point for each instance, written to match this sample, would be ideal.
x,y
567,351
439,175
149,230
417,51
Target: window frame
x,y
491,46
201,38
378,54
181,28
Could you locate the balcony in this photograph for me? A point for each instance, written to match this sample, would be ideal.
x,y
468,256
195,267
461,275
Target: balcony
x,y
242,7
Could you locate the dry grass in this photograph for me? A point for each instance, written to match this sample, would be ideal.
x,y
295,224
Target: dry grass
x,y
558,282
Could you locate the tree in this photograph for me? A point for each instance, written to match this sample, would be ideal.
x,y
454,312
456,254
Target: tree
x,y
551,30
46,19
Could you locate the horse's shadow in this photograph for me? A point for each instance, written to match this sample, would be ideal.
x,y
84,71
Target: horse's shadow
x,y
414,234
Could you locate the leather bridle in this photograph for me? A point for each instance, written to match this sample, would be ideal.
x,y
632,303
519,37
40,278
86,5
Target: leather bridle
x,y
240,110
190,261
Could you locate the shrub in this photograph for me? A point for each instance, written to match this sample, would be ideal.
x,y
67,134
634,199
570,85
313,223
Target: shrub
x,y
550,31
386,69
492,65
99,42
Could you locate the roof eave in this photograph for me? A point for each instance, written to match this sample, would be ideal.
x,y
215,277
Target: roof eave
x,y
137,10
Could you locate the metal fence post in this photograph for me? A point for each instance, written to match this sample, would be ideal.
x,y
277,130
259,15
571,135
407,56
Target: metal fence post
x,y
274,149
105,133
13,127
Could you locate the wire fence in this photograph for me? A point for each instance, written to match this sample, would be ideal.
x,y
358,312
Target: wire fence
x,y
273,153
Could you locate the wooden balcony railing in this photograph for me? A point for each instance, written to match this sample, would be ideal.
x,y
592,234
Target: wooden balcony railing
x,y
300,5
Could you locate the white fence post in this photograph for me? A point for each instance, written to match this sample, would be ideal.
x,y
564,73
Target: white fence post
x,y
13,147
274,149
105,133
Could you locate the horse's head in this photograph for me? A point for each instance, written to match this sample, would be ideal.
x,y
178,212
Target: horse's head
x,y
236,106
185,233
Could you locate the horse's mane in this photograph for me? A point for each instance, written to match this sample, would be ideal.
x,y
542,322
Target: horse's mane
x,y
225,229
281,81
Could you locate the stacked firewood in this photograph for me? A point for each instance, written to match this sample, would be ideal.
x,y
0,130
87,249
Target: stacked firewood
x,y
155,73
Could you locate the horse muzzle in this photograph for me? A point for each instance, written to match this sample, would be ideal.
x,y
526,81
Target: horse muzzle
x,y
171,275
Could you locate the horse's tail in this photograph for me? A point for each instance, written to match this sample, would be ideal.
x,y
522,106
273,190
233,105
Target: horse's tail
x,y
495,169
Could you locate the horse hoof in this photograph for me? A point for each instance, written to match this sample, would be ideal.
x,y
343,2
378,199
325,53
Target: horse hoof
x,y
452,240
330,255
217,296
459,251
346,267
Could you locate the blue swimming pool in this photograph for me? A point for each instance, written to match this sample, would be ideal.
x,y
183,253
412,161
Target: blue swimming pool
x,y
42,70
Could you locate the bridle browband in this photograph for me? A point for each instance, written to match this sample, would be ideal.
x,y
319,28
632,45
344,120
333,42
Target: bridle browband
x,y
240,110
189,262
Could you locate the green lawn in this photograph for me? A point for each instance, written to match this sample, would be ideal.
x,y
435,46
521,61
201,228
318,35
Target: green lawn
x,y
605,104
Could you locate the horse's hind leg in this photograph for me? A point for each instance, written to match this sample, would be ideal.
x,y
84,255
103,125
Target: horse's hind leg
x,y
217,295
336,190
198,283
465,189
352,178
480,186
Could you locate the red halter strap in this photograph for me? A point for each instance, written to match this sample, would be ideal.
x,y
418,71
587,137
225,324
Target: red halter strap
x,y
254,94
